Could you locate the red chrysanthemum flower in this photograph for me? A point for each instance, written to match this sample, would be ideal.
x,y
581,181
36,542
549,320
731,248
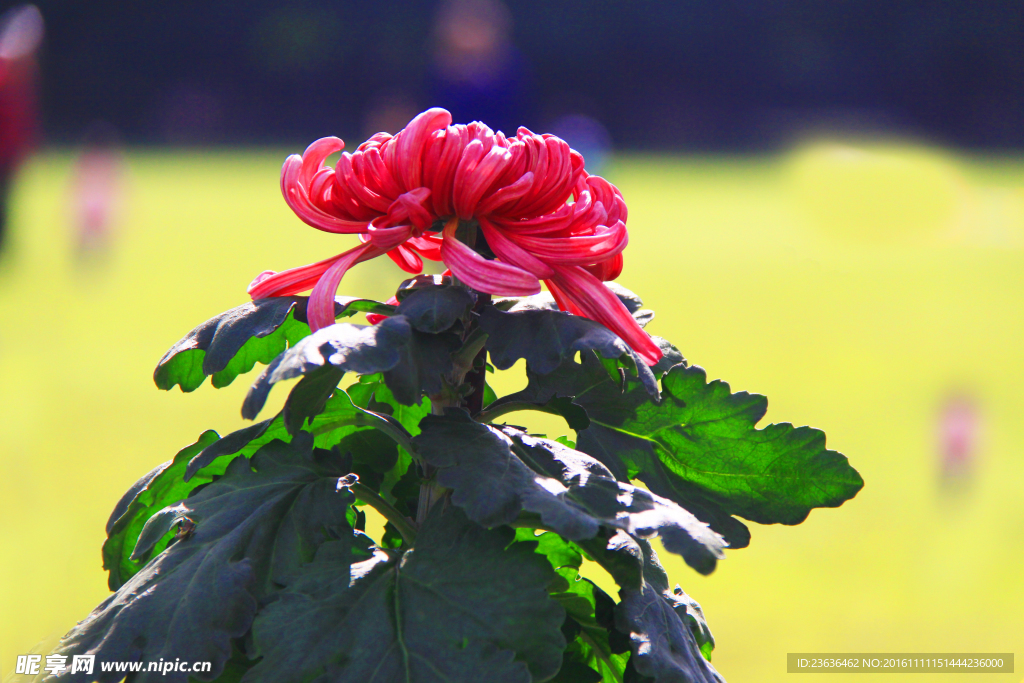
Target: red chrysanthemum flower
x,y
543,217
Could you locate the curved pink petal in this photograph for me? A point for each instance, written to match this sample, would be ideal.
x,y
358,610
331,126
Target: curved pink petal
x,y
320,308
412,207
509,252
554,222
406,259
313,157
377,174
374,141
348,182
428,246
443,177
481,274
597,302
580,250
472,184
389,237
606,270
472,155
564,303
410,143
288,282
506,195
297,197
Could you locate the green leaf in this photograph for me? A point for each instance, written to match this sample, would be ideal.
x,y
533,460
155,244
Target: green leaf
x,y
619,505
547,338
436,309
596,652
699,446
340,419
376,396
400,485
702,439
597,647
240,537
464,605
412,362
666,645
231,343
308,398
163,486
495,474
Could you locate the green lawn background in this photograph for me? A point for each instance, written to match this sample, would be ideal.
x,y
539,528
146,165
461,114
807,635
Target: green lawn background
x,y
855,286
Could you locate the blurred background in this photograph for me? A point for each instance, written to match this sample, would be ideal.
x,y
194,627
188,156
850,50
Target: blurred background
x,y
826,206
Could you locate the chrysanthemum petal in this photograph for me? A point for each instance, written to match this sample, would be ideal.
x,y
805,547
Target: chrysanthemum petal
x,y
410,143
320,309
597,302
313,157
579,250
493,277
288,282
506,195
606,270
510,252
296,194
470,187
406,259
427,246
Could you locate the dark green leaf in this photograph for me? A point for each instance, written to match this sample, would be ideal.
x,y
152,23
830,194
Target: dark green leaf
x,y
435,309
412,362
380,399
592,487
239,537
660,626
424,361
369,436
308,398
495,474
163,486
465,605
670,357
587,387
245,441
547,338
664,648
231,343
596,652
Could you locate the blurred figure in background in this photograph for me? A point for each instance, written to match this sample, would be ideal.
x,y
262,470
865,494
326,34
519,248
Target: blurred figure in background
x,y
21,31
97,189
388,111
586,135
478,74
958,438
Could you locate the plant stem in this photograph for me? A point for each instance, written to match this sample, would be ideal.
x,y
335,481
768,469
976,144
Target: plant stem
x,y
601,654
371,498
491,414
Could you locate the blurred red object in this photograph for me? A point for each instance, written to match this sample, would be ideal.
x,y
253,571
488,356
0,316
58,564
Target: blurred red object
x,y
21,31
97,188
958,436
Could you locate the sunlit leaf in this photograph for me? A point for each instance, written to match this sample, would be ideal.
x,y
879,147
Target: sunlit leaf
x,y
231,343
